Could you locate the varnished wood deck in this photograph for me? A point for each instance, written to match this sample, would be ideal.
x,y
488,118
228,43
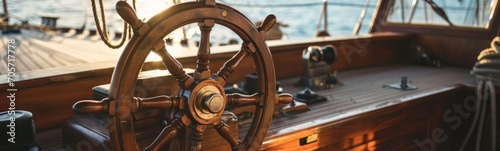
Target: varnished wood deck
x,y
364,88
36,50
363,91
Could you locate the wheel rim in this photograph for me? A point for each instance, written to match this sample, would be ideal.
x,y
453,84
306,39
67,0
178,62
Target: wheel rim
x,y
128,67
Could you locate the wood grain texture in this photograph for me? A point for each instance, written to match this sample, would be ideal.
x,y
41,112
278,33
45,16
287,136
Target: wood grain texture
x,y
77,80
364,115
458,46
379,24
457,51
37,51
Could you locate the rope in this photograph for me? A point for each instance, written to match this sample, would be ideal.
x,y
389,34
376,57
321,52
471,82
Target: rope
x,y
297,4
493,115
323,18
487,72
359,5
476,116
481,121
103,31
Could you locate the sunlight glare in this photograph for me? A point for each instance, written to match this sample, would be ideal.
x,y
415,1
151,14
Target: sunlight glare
x,y
148,8
153,57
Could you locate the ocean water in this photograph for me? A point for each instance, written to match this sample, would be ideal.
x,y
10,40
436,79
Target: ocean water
x,y
301,16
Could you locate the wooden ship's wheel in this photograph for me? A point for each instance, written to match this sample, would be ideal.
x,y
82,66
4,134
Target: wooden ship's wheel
x,y
201,99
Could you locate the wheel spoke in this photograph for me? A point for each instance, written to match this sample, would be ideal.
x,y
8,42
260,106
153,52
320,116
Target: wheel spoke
x,y
173,66
158,102
242,100
224,131
233,63
197,137
166,135
92,106
202,69
284,98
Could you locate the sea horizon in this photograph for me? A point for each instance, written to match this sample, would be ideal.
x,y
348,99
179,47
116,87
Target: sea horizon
x,y
301,17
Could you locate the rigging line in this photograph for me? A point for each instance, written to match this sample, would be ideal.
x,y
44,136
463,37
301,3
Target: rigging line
x,y
476,115
297,4
487,73
413,8
467,14
361,18
439,11
483,11
425,12
493,115
324,32
320,18
476,17
401,2
323,18
482,116
312,4
103,31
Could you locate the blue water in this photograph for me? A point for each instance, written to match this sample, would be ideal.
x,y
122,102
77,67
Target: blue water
x,y
301,16
302,19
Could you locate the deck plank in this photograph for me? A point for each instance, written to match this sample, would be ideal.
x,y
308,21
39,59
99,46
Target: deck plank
x,y
3,66
363,88
85,49
31,63
39,51
3,55
50,139
44,57
26,58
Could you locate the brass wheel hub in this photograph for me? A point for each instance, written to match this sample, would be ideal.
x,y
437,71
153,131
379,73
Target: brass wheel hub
x,y
208,101
211,101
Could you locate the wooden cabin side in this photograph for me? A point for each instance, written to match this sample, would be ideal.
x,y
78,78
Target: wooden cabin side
x,y
454,45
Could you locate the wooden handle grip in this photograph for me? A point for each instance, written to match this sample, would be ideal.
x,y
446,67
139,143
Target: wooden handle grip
x,y
159,102
268,23
242,100
284,98
128,14
90,106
